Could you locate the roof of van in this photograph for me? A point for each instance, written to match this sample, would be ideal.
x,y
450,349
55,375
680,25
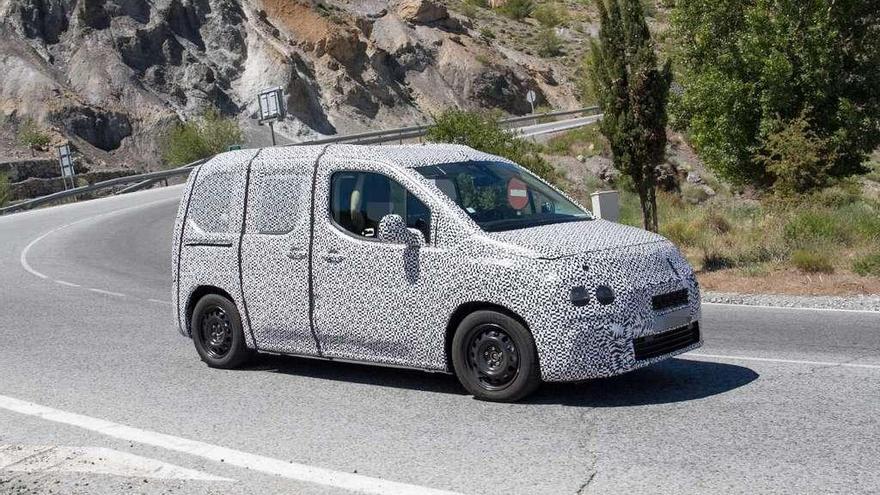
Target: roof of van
x,y
405,155
412,155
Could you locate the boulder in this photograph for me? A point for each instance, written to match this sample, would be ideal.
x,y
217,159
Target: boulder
x,y
420,11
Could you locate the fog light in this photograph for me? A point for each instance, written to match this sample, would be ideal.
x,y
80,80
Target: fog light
x,y
579,296
604,294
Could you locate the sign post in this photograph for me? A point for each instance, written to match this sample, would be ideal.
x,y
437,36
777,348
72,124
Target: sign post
x,y
271,108
65,159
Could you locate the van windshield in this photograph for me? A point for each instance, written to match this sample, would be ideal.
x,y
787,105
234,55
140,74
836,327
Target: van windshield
x,y
500,196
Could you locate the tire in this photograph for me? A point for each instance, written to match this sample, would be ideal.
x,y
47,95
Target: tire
x,y
217,333
494,357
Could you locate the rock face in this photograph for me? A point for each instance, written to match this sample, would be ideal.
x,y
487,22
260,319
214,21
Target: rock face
x,y
112,75
420,11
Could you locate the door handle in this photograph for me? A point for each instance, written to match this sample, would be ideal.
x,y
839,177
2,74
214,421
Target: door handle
x,y
332,256
297,254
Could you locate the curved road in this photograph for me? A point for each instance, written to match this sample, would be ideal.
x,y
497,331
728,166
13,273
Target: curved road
x,y
778,400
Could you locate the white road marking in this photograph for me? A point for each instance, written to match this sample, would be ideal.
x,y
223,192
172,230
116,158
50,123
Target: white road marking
x,y
159,301
288,469
23,257
105,292
93,460
784,361
759,306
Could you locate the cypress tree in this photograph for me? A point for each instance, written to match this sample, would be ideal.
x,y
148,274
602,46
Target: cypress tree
x,y
632,92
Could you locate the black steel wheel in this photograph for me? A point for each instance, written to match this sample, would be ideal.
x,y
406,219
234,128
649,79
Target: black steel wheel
x,y
217,332
494,357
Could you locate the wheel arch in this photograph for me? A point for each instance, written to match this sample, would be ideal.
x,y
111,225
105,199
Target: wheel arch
x,y
197,294
465,309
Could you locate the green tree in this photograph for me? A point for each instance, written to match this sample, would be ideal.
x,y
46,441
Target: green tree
x,y
746,66
32,136
632,92
482,132
199,138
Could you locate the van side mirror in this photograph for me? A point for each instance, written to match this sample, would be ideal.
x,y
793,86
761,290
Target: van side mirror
x,y
393,230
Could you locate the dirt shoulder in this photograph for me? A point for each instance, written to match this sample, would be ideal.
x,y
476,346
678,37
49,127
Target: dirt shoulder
x,y
789,282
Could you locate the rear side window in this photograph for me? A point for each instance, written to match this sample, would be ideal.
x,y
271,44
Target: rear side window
x,y
211,203
359,200
279,202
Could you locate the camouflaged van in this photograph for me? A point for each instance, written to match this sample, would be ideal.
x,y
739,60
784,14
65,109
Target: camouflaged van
x,y
436,257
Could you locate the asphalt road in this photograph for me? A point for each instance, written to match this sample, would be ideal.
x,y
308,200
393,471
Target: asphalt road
x,y
778,400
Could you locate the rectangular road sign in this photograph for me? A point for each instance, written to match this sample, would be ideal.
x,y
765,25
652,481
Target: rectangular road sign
x,y
271,104
66,161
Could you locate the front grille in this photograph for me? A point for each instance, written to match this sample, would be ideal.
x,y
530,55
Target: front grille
x,y
651,346
670,300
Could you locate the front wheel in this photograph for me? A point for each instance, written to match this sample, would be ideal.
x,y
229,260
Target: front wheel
x,y
217,333
494,357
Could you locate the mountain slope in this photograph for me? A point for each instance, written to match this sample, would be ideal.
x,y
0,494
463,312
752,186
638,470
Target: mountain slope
x,y
111,75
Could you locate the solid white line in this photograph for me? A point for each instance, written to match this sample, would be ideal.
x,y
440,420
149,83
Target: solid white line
x,y
784,361
69,284
106,292
167,303
760,306
300,472
24,252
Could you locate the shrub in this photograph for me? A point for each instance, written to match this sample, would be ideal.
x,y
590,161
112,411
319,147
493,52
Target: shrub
x,y
487,34
681,232
30,135
199,138
796,159
4,190
549,45
810,228
693,194
867,265
518,9
811,261
716,222
482,132
470,9
550,14
585,140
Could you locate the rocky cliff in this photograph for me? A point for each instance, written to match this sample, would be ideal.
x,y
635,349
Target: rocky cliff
x,y
110,75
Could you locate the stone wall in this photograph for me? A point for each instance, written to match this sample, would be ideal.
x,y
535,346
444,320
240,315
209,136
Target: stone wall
x,y
35,187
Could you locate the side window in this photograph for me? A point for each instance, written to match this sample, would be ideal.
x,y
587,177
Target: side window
x,y
211,202
278,203
359,200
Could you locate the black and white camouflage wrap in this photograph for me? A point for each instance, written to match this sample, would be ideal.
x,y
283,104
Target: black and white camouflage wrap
x,y
391,303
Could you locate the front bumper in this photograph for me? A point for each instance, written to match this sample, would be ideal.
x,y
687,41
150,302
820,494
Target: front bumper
x,y
625,336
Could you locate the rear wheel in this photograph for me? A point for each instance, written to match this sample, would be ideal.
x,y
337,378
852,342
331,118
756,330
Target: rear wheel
x,y
494,357
217,333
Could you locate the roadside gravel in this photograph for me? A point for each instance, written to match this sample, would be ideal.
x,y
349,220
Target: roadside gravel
x,y
860,302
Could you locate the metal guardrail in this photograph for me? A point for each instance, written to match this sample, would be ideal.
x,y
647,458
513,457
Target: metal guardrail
x,y
118,181
144,180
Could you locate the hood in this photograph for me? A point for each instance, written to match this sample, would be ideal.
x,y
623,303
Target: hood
x,y
571,238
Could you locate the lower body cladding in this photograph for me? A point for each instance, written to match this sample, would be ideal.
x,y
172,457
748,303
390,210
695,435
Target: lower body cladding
x,y
586,348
